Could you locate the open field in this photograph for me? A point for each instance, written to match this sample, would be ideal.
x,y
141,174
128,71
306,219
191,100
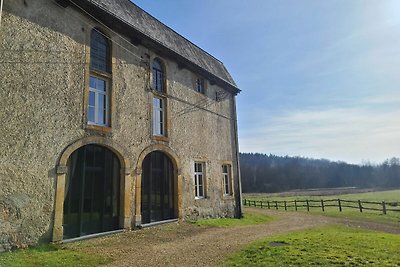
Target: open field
x,y
212,242
327,246
390,196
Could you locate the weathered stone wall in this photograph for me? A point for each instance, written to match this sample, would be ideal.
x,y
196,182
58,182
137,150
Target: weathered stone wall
x,y
43,63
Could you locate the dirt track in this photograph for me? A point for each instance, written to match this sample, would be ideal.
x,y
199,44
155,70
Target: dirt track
x,y
190,245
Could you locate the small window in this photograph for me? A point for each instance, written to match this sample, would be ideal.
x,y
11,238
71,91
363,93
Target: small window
x,y
158,76
200,85
199,180
226,176
158,116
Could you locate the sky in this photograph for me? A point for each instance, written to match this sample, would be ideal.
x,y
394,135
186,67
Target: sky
x,y
319,79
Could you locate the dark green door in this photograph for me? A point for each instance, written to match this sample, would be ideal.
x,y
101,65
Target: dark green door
x,y
92,192
158,188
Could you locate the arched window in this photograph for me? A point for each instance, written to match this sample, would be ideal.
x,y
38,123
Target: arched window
x,y
99,52
98,109
158,76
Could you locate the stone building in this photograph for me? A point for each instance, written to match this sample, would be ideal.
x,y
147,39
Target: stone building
x,y
110,121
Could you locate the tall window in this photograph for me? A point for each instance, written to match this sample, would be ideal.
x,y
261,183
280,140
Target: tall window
x,y
200,85
158,116
226,176
159,100
98,112
199,179
158,76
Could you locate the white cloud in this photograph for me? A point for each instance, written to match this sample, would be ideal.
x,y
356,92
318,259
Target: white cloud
x,y
349,134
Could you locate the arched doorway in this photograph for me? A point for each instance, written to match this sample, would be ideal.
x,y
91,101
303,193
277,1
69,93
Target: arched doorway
x,y
92,192
158,192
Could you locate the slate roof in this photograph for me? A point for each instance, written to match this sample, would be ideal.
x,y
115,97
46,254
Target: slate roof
x,y
143,22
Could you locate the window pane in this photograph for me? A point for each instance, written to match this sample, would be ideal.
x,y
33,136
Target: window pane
x,y
200,167
156,102
101,114
91,99
101,85
91,114
200,179
201,193
93,82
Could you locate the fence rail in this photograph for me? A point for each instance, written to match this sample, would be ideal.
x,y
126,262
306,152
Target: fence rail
x,y
383,206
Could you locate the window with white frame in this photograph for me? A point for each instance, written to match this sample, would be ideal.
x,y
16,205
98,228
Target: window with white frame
x,y
98,103
199,184
158,116
226,176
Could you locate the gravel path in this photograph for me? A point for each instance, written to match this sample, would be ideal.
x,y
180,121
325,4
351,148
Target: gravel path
x,y
189,245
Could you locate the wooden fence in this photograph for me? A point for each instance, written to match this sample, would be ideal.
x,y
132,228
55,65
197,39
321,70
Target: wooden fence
x,y
383,206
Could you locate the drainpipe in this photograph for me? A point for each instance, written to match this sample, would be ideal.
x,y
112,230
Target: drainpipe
x,y
239,194
1,10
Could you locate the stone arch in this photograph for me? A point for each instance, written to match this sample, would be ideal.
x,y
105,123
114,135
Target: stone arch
x,y
177,175
62,169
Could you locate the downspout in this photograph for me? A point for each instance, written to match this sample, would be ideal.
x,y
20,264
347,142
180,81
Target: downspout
x,y
1,10
239,201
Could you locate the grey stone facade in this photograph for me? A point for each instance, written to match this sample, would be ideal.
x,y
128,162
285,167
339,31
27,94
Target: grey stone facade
x,y
44,72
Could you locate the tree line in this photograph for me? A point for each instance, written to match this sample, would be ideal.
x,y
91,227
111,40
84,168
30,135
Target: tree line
x,y
271,173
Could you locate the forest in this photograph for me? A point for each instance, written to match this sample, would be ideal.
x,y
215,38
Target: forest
x,y
263,173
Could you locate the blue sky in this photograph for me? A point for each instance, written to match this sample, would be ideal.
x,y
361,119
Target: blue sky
x,y
320,79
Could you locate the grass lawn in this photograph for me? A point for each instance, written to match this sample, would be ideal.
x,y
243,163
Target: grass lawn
x,y
351,213
327,246
50,256
248,219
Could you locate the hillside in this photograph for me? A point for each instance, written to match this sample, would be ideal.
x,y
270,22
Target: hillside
x,y
270,173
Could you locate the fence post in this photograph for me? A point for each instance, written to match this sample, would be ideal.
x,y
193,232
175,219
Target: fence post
x,y
255,204
269,207
383,207
261,204
276,204
359,205
340,205
295,204
285,205
322,205
244,200
308,205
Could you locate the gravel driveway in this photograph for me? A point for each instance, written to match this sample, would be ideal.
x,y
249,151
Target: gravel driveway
x,y
190,245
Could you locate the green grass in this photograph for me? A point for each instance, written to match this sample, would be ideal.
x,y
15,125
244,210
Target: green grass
x,y
50,256
351,213
327,246
248,219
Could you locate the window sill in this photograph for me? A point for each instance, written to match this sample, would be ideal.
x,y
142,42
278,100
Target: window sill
x,y
160,138
199,198
99,128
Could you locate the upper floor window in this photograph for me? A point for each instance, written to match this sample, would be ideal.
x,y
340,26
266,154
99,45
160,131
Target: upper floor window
x,y
98,104
226,176
158,76
98,101
200,85
99,52
158,116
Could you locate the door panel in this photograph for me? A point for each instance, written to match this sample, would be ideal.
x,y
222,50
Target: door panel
x,y
92,203
158,188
